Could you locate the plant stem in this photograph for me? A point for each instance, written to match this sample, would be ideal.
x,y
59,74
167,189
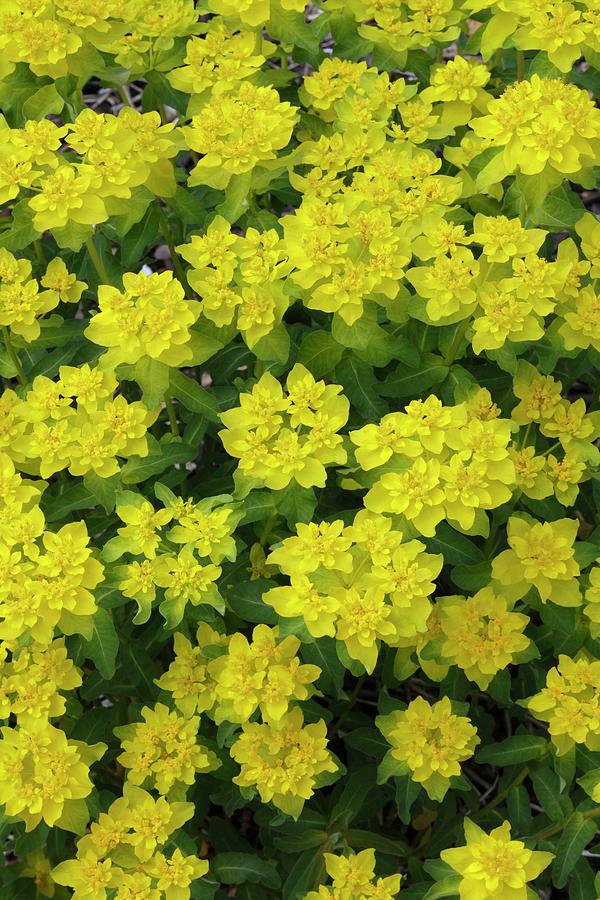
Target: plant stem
x,y
13,354
351,702
554,829
39,252
502,794
520,66
175,258
97,261
458,338
170,406
123,94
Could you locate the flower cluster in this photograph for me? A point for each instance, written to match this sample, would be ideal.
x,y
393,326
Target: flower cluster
x,y
570,703
44,775
362,583
430,742
75,422
264,673
283,436
491,865
149,319
442,462
239,279
162,750
124,851
283,763
179,564
299,448
354,876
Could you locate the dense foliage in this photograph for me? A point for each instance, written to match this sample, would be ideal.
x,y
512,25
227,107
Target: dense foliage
x,y
299,465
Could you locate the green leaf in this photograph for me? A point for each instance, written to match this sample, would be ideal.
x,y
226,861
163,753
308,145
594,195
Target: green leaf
x,y
21,232
140,468
103,646
368,741
140,238
245,599
415,383
457,549
448,887
153,378
104,490
273,347
358,786
581,882
546,786
360,386
320,353
236,197
407,792
322,653
20,889
46,100
560,210
238,868
194,397
578,832
296,503
516,749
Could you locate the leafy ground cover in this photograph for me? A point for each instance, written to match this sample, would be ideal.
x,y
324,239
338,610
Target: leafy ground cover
x,y
300,554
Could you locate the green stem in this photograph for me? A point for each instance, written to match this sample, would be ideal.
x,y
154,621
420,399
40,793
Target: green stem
x,y
351,702
124,95
172,415
520,66
550,449
502,794
554,829
39,252
175,258
13,354
458,339
526,436
97,261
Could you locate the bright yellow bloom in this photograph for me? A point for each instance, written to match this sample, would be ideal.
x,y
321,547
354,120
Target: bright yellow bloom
x,y
149,318
541,555
162,750
481,634
265,673
283,763
492,866
570,703
353,877
431,741
43,775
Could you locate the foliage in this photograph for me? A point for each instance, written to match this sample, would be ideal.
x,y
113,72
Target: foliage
x,y
299,461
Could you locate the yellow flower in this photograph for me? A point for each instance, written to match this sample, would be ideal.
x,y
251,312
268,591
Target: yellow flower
x,y
68,194
431,741
163,750
417,493
353,876
541,555
363,620
302,598
43,775
187,678
237,130
492,866
592,600
283,763
265,674
481,634
570,703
